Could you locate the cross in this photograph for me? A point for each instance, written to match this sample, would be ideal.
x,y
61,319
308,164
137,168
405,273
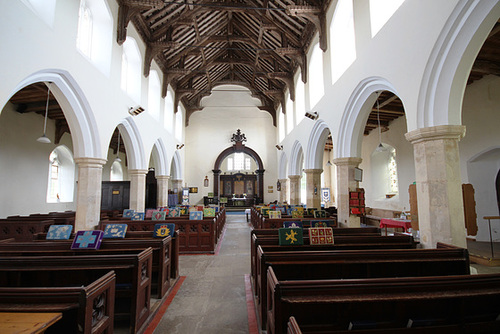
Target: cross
x,y
86,239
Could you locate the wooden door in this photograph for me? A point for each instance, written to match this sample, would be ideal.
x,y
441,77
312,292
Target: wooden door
x,y
469,209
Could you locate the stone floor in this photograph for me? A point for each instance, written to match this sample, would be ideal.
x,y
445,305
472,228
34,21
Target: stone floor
x,y
212,298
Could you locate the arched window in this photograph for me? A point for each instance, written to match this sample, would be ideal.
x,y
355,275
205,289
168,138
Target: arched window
x,y
179,125
300,101
154,95
381,11
116,171
240,162
316,84
281,125
94,36
168,113
384,172
61,183
342,39
84,36
289,115
131,69
44,9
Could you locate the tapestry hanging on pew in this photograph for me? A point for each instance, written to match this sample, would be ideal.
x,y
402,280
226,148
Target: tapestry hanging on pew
x,y
164,230
115,231
87,240
290,236
196,215
138,216
159,215
59,232
292,224
321,236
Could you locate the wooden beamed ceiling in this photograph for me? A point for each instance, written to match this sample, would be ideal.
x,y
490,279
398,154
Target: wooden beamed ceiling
x,y
199,45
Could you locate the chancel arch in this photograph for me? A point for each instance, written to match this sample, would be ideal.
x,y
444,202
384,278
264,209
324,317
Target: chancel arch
x,y
239,147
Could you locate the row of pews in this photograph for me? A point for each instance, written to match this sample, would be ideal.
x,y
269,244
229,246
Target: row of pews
x,y
260,221
120,286
369,283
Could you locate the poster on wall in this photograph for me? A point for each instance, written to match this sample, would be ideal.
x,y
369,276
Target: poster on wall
x,y
325,195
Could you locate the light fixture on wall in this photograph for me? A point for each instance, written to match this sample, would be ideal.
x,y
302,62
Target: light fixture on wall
x,y
329,164
179,146
205,182
380,147
312,115
117,159
279,147
44,139
134,111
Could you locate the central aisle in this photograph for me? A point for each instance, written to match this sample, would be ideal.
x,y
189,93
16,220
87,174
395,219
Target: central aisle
x,y
212,298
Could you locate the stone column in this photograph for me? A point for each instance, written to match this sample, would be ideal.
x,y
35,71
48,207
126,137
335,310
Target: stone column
x,y
137,189
177,184
283,191
313,188
89,191
294,189
345,183
439,185
162,186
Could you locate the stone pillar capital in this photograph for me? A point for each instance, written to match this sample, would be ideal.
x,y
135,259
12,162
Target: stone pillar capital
x,y
313,171
137,171
282,180
163,177
90,162
440,132
294,177
349,161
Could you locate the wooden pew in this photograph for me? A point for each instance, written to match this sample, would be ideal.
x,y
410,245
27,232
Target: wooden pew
x,y
438,304
341,242
161,265
141,235
295,265
195,236
275,223
87,306
23,230
133,277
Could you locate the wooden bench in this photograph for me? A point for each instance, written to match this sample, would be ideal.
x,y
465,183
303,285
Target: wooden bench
x,y
87,306
140,235
439,304
274,223
23,230
161,268
295,265
341,242
133,277
195,236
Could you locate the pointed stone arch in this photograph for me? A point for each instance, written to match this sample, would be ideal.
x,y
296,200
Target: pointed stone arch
x,y
296,159
282,166
316,145
75,107
133,144
356,113
160,157
443,85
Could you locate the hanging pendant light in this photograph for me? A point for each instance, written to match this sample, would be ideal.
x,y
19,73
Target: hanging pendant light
x,y
380,147
44,139
117,159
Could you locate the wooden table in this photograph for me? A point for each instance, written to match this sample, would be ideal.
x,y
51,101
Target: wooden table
x,y
395,223
13,322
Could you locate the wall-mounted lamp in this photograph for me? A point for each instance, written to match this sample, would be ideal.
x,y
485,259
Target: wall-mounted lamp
x,y
205,182
134,111
312,115
329,164
179,146
279,147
